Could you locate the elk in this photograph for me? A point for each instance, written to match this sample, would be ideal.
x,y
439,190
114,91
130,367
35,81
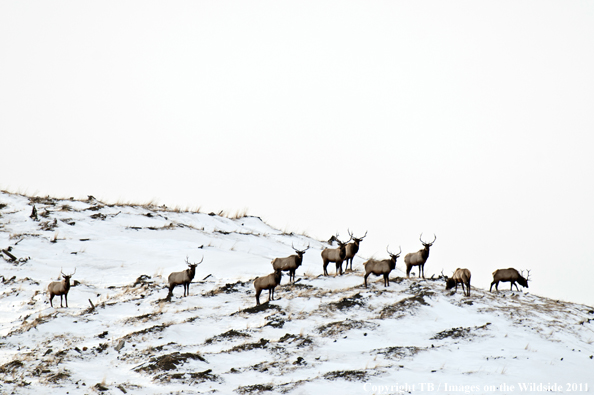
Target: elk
x,y
290,263
60,288
511,275
418,258
184,278
383,267
268,282
460,276
352,249
335,255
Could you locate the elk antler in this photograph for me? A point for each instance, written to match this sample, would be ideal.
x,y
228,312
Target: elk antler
x,y
296,250
396,255
427,244
196,264
357,238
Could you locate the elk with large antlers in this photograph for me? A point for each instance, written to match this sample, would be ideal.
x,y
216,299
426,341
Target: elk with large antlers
x,y
184,278
511,275
352,249
418,258
460,276
383,267
290,263
60,288
335,255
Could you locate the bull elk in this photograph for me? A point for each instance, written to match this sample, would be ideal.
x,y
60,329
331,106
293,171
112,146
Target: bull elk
x,y
511,275
352,249
290,263
383,267
184,278
335,255
60,288
268,282
418,258
460,276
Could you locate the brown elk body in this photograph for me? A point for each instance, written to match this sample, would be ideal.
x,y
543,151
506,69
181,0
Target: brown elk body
x,y
268,282
60,288
418,258
184,278
290,263
336,255
351,250
460,276
511,275
383,267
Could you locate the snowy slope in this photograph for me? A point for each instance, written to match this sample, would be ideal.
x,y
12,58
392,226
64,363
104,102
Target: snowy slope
x,y
322,334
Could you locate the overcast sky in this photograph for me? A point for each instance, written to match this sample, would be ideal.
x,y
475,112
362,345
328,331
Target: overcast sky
x,y
469,120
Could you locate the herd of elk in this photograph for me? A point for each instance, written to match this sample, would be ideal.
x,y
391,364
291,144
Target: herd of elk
x,y
345,251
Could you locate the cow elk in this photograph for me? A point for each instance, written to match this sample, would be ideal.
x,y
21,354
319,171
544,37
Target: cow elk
x,y
184,278
383,267
511,275
352,249
335,255
418,258
460,276
60,288
290,263
268,282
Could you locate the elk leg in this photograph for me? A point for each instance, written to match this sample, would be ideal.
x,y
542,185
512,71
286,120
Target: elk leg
x,y
258,297
66,299
365,278
386,280
51,298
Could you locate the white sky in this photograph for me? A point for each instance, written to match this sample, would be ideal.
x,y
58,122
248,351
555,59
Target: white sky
x,y
470,120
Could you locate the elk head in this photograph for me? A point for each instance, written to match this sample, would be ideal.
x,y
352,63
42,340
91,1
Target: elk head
x,y
394,256
67,276
193,265
427,245
357,240
299,252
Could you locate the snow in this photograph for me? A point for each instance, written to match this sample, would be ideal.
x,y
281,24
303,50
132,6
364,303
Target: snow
x,y
322,333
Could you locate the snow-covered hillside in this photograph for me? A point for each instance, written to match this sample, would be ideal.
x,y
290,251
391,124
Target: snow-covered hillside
x,y
121,335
